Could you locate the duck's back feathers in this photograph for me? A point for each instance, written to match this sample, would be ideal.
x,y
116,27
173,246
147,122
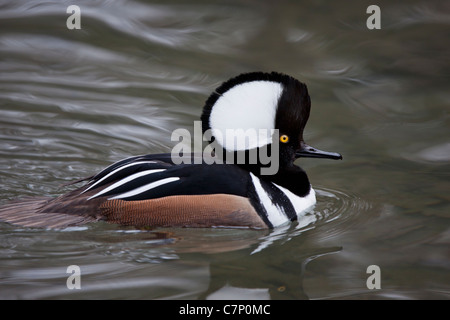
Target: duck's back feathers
x,y
147,191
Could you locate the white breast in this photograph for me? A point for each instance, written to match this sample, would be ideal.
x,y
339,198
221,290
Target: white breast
x,y
276,214
300,204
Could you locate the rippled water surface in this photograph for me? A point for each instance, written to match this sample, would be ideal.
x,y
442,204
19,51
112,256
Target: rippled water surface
x,y
74,101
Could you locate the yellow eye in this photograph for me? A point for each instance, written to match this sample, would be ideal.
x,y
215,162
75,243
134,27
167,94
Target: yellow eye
x,y
284,138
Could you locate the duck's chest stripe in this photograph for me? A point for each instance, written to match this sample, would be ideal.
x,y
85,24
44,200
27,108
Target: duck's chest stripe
x,y
299,203
278,204
275,204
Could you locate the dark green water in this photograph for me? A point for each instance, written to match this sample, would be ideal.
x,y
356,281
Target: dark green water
x,y
74,101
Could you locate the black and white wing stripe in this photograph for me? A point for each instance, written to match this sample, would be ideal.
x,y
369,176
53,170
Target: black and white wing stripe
x,y
153,176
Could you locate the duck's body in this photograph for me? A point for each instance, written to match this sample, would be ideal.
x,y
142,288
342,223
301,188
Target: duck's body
x,y
153,191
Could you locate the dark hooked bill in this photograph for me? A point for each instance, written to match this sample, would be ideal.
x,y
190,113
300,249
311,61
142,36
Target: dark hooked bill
x,y
307,151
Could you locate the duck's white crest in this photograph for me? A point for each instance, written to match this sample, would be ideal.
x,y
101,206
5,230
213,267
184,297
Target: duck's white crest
x,y
247,109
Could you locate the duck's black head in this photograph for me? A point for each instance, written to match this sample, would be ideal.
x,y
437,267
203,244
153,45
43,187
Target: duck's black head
x,y
243,112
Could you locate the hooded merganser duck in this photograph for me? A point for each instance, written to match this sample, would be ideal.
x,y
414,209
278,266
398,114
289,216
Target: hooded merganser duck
x,y
156,191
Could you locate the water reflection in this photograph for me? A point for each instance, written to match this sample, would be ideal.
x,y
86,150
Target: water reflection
x,y
259,275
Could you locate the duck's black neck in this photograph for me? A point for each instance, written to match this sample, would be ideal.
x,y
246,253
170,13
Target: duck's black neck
x,y
284,173
292,178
